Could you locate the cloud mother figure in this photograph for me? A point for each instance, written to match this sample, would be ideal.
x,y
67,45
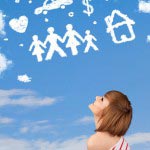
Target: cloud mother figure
x,y
112,114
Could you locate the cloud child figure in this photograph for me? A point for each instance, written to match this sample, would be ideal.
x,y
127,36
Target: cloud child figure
x,y
89,38
37,51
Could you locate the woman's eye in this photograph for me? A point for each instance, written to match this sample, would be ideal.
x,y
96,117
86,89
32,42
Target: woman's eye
x,y
102,99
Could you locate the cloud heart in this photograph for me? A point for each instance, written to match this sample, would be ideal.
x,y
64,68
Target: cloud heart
x,y
19,25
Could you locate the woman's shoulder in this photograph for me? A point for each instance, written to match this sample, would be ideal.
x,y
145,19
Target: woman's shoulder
x,y
101,141
96,141
91,142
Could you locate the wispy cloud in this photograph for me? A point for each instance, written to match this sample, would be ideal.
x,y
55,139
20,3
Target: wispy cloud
x,y
85,120
138,138
2,23
5,120
144,6
77,143
4,63
36,126
27,98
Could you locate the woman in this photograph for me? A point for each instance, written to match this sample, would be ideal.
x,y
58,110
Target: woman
x,y
112,115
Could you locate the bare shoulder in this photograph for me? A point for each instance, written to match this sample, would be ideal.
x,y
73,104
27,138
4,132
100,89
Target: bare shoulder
x,y
101,141
95,142
91,142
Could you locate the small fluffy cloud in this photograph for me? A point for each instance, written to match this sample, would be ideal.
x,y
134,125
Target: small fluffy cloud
x,y
24,78
148,38
5,120
2,23
4,63
27,98
144,6
85,120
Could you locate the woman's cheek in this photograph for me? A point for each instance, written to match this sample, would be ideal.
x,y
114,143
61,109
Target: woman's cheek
x,y
96,110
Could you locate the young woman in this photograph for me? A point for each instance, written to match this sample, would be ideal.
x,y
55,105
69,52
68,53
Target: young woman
x,y
112,115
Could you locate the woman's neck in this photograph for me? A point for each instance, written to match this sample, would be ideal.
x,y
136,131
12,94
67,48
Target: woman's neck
x,y
97,121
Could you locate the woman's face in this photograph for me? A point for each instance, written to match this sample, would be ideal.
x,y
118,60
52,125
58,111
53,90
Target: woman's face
x,y
99,104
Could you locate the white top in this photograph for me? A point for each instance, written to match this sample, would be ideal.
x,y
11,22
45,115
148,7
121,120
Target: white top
x,y
121,145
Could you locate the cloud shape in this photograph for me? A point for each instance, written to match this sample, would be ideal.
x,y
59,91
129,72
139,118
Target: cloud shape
x,y
36,127
85,120
77,143
2,23
19,25
144,6
53,5
26,98
4,63
5,120
138,138
148,38
24,78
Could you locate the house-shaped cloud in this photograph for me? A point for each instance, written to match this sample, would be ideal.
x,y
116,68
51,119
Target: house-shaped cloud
x,y
127,21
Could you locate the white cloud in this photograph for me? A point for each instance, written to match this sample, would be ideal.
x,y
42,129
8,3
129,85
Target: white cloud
x,y
21,44
2,23
4,63
138,138
36,129
5,39
19,25
24,78
25,98
5,120
53,5
148,38
36,126
11,143
24,130
144,6
85,120
77,143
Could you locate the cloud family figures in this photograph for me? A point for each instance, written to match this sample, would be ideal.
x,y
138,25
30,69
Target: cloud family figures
x,y
71,38
38,51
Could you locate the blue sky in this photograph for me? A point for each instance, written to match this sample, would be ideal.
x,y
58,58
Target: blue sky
x,y
50,109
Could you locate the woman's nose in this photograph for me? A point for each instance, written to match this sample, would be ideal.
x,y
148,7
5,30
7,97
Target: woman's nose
x,y
98,97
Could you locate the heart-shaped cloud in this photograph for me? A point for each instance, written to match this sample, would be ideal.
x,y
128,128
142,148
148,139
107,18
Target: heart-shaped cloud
x,y
19,25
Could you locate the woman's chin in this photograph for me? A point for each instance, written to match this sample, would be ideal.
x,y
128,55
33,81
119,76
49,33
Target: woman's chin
x,y
91,106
